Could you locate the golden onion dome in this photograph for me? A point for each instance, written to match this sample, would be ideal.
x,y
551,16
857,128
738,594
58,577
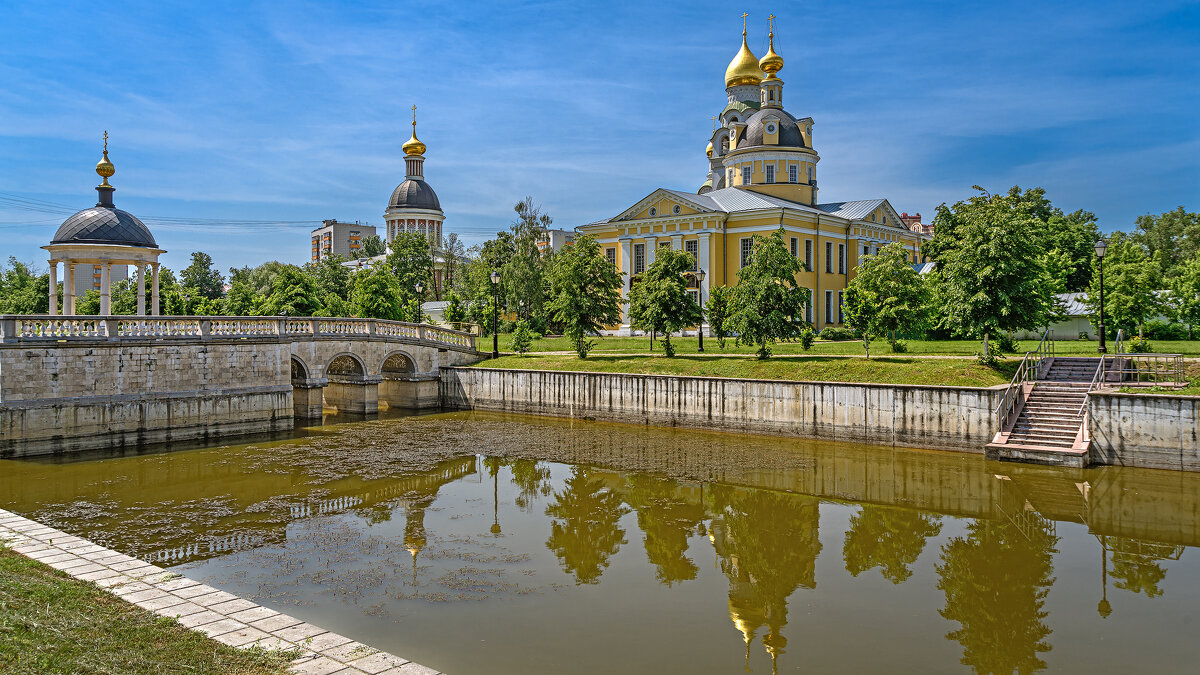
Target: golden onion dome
x,y
709,150
743,69
105,168
771,62
413,146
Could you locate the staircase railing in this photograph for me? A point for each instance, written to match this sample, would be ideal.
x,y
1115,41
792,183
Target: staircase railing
x,y
1097,381
1120,341
1029,370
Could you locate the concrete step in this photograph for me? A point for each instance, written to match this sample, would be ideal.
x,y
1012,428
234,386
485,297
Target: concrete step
x,y
1024,424
1050,442
1038,454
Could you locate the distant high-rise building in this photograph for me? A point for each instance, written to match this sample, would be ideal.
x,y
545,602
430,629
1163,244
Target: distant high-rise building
x,y
344,239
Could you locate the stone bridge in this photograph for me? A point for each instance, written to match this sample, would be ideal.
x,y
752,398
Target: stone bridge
x,y
77,382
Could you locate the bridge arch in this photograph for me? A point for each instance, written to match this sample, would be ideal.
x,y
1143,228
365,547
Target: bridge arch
x,y
346,364
398,364
300,370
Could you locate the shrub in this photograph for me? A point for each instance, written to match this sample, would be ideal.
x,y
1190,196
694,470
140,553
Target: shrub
x,y
1140,345
991,360
522,337
899,347
507,325
1005,343
836,334
1163,330
1083,335
806,338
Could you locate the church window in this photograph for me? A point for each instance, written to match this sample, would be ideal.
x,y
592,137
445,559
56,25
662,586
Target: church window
x,y
610,254
770,169
745,175
653,211
795,247
792,178
695,296
675,209
811,173
639,258
828,307
747,248
692,247
828,258
808,262
730,181
866,249
770,94
841,260
664,244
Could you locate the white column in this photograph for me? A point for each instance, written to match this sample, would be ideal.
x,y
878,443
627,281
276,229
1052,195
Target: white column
x,y
677,242
69,287
154,291
141,272
53,288
105,288
626,269
651,247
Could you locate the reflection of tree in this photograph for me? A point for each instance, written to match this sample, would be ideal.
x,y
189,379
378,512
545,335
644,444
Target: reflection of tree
x,y
768,544
585,532
1135,566
996,579
667,520
888,538
532,479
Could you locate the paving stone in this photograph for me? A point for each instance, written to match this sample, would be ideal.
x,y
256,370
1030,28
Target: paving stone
x,y
351,651
114,582
131,587
276,623
326,641
241,636
176,584
129,565
300,633
322,665
200,618
269,643
179,610
97,575
147,594
232,606
411,668
214,598
89,567
165,600
377,663
253,614
220,627
194,591
49,554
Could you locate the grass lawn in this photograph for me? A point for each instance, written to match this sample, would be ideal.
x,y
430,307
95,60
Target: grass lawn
x,y
1191,372
641,345
51,624
889,370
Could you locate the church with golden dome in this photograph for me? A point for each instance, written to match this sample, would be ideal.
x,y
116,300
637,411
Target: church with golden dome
x,y
762,176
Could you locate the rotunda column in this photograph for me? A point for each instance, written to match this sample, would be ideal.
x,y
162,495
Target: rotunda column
x,y
53,287
141,272
154,290
69,287
105,288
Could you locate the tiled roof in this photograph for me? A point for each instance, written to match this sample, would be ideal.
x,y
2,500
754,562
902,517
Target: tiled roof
x,y
104,225
851,210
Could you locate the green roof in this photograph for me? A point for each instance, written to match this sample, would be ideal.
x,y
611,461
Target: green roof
x,y
740,106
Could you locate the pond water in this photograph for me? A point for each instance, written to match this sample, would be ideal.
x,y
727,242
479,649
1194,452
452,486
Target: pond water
x,y
482,543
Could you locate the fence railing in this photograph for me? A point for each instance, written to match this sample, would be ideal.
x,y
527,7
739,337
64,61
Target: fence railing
x,y
41,328
1142,369
1029,370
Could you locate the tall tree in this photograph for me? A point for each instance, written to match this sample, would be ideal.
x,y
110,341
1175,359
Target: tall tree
x,y
411,261
659,302
377,295
991,267
243,301
293,293
372,246
524,273
257,278
1170,238
768,304
1185,292
451,252
23,290
886,296
718,310
202,277
1131,279
585,292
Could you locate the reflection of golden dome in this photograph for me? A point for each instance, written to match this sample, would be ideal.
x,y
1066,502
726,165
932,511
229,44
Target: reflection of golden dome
x,y
105,168
743,69
709,149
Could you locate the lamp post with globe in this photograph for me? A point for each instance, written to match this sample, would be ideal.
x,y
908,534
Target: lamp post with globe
x,y
495,277
1101,248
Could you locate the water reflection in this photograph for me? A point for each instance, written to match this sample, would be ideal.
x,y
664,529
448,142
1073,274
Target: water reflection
x,y
967,547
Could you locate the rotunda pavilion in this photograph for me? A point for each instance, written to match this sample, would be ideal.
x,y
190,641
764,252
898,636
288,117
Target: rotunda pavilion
x,y
103,236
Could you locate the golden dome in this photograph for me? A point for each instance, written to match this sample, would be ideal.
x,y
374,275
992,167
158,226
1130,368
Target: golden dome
x,y
413,146
771,62
743,69
105,168
709,149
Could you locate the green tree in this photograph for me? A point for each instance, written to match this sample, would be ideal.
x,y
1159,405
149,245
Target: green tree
x,y
1185,292
293,293
1170,238
768,304
991,267
454,313
257,278
243,301
522,337
659,302
451,252
411,262
523,275
377,295
22,291
888,538
718,309
1131,279
585,292
372,246
87,304
332,277
585,531
202,278
885,296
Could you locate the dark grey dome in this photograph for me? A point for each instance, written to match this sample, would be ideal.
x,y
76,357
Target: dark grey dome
x,y
414,194
104,225
789,133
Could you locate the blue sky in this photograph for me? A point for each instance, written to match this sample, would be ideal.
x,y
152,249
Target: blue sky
x,y
294,112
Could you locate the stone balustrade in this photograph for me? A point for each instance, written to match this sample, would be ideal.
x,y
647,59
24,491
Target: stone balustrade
x,y
39,329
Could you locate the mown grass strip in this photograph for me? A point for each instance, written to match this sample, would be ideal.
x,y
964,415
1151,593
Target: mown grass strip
x,y
52,624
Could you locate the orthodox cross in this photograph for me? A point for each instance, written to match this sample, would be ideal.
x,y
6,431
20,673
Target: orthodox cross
x,y
414,109
106,140
714,119
744,15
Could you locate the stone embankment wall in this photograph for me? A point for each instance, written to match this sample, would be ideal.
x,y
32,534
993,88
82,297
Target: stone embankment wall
x,y
957,418
1145,430
71,397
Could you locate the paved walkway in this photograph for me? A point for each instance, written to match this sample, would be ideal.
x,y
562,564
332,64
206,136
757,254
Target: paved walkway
x,y
222,616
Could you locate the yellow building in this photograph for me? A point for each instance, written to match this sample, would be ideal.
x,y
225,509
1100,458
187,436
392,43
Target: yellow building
x,y
762,176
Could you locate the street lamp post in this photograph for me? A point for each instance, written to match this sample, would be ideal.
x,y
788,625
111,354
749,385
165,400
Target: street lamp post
x,y
495,277
1101,247
700,291
418,317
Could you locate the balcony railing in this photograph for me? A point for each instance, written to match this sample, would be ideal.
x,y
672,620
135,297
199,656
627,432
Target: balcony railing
x,y
48,329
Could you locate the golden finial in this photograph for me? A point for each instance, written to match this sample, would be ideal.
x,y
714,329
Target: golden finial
x,y
105,168
714,121
414,109
744,15
771,62
413,146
